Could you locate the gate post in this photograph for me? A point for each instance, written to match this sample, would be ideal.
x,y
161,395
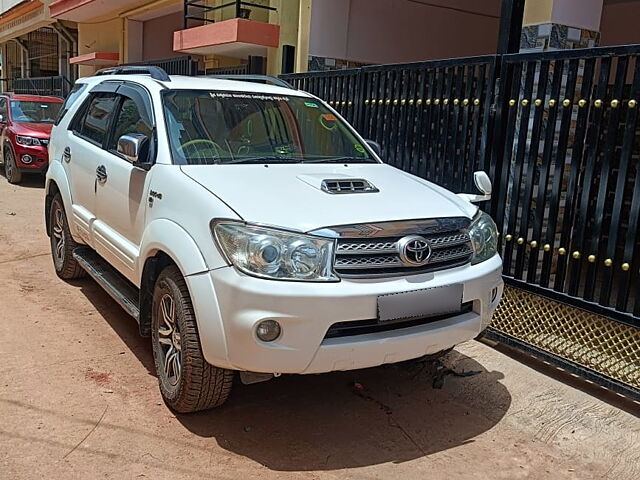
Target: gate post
x,y
511,15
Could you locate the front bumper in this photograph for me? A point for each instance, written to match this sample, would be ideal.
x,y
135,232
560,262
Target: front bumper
x,y
39,158
306,311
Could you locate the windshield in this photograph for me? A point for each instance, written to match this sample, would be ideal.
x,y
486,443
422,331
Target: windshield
x,y
208,128
34,112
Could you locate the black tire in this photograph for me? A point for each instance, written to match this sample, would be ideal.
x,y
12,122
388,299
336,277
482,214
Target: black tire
x,y
62,243
188,383
11,171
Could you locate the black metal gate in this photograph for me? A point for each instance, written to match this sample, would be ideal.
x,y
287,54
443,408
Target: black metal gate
x,y
558,134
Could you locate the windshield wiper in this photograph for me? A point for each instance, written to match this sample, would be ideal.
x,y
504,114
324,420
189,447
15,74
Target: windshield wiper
x,y
341,160
260,160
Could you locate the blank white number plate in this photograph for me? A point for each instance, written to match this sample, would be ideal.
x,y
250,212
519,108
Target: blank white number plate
x,y
420,303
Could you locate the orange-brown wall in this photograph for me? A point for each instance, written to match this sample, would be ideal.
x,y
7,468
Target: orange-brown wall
x,y
620,23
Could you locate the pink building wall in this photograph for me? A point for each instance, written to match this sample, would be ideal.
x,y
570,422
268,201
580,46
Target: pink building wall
x,y
157,36
391,31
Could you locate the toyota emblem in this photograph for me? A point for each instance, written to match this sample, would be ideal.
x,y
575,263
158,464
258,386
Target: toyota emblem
x,y
414,250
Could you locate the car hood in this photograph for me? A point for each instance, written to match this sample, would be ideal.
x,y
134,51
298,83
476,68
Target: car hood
x,y
290,196
41,130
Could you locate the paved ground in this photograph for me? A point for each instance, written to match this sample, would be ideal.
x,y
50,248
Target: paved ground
x,y
78,399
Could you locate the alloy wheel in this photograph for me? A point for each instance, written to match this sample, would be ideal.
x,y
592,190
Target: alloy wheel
x,y
58,235
169,340
8,166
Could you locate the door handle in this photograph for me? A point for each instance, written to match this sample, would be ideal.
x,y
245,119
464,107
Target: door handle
x,y
66,155
101,173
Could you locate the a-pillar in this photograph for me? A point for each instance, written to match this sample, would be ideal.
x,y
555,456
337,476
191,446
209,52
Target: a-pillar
x,y
560,24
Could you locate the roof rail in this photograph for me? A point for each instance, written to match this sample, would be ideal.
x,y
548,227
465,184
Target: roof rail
x,y
156,73
255,78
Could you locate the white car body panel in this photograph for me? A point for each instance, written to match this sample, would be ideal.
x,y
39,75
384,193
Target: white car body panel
x,y
282,195
126,225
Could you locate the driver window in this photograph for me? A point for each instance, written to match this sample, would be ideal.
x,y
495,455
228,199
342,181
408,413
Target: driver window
x,y
129,121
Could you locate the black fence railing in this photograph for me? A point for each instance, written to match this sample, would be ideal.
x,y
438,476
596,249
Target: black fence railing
x,y
233,70
53,86
201,11
184,65
430,118
568,176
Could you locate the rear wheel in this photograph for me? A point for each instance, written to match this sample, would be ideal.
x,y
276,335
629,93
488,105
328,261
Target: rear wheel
x,y
62,244
11,168
187,382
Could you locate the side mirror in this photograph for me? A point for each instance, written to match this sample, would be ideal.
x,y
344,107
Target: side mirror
x,y
2,120
375,146
483,184
135,148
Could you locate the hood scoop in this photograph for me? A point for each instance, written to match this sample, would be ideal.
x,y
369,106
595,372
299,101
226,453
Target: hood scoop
x,y
347,185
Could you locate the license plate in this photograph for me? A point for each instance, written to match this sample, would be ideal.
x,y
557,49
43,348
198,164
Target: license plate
x,y
427,302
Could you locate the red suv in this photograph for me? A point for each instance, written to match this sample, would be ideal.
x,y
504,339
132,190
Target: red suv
x,y
25,128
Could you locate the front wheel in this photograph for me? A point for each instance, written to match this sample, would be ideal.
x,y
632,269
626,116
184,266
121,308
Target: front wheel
x,y
187,382
11,171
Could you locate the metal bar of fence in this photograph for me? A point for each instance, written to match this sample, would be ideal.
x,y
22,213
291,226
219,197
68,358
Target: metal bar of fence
x,y
559,158
556,69
597,241
572,186
531,159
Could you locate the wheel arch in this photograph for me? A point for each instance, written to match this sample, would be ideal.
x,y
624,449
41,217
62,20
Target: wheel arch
x,y
57,182
164,243
153,265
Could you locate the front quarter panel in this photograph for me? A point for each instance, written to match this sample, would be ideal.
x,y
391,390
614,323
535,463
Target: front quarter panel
x,y
178,215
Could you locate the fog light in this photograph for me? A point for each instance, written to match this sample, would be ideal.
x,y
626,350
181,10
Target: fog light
x,y
268,331
27,159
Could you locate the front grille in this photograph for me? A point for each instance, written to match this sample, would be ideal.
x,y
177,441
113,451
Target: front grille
x,y
362,327
356,257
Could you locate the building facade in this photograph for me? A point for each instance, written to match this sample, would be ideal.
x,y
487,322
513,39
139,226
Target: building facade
x,y
64,39
37,47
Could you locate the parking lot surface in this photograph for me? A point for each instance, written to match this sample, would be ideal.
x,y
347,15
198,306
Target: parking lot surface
x,y
79,399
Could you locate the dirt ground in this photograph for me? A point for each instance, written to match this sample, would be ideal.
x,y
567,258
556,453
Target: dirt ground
x,y
79,399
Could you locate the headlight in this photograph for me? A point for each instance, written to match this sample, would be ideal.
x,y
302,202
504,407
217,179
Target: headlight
x,y
28,141
276,254
484,238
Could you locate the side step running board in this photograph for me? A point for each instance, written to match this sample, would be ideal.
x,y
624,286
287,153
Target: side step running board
x,y
120,289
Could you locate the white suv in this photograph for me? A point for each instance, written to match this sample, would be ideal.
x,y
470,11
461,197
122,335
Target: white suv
x,y
247,227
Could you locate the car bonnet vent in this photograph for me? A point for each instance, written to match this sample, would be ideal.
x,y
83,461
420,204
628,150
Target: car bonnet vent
x,y
348,185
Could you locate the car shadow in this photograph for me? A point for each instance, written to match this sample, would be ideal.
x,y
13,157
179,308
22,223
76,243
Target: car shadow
x,y
391,413
29,180
360,418
121,323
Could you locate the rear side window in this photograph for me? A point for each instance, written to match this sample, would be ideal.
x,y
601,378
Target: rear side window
x,y
75,93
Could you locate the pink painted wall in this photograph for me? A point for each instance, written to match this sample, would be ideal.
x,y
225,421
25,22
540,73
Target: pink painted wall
x,y
390,31
577,13
157,37
619,25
